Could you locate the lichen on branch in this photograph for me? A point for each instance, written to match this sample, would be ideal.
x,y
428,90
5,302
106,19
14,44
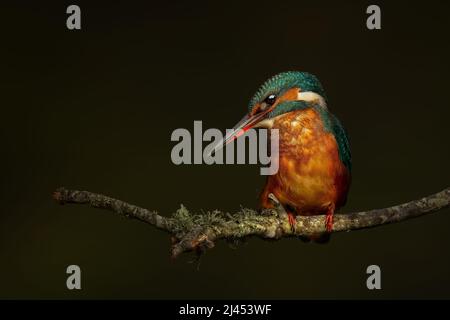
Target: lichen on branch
x,y
199,232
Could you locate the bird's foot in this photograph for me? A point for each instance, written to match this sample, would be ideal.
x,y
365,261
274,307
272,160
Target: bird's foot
x,y
329,222
292,221
329,219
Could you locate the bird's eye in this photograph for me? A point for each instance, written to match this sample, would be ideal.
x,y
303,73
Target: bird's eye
x,y
270,100
267,102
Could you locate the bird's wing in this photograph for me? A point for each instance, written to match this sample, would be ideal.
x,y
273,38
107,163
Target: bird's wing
x,y
342,140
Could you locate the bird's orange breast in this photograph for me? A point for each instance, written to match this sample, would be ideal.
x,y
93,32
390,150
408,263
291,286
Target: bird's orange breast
x,y
311,176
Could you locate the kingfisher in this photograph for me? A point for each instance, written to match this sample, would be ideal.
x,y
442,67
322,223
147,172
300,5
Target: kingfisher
x,y
314,172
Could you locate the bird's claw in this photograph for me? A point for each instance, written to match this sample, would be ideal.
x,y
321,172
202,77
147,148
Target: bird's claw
x,y
292,221
329,222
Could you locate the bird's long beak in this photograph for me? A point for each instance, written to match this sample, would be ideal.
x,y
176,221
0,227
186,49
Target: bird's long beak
x,y
246,123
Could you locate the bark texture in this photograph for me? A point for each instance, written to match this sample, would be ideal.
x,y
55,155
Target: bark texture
x,y
199,232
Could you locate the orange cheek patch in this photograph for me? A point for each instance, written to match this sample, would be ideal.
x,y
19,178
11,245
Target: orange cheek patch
x,y
289,95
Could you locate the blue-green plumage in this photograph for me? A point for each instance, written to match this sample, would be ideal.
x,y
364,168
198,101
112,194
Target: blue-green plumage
x,y
333,125
281,82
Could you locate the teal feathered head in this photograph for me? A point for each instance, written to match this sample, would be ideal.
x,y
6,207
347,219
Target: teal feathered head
x,y
282,82
284,92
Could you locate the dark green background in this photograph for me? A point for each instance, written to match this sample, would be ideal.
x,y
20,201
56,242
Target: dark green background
x,y
94,109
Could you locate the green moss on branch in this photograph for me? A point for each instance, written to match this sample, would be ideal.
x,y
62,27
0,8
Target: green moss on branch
x,y
198,232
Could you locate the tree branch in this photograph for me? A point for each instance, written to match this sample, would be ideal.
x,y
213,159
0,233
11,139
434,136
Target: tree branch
x,y
198,232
